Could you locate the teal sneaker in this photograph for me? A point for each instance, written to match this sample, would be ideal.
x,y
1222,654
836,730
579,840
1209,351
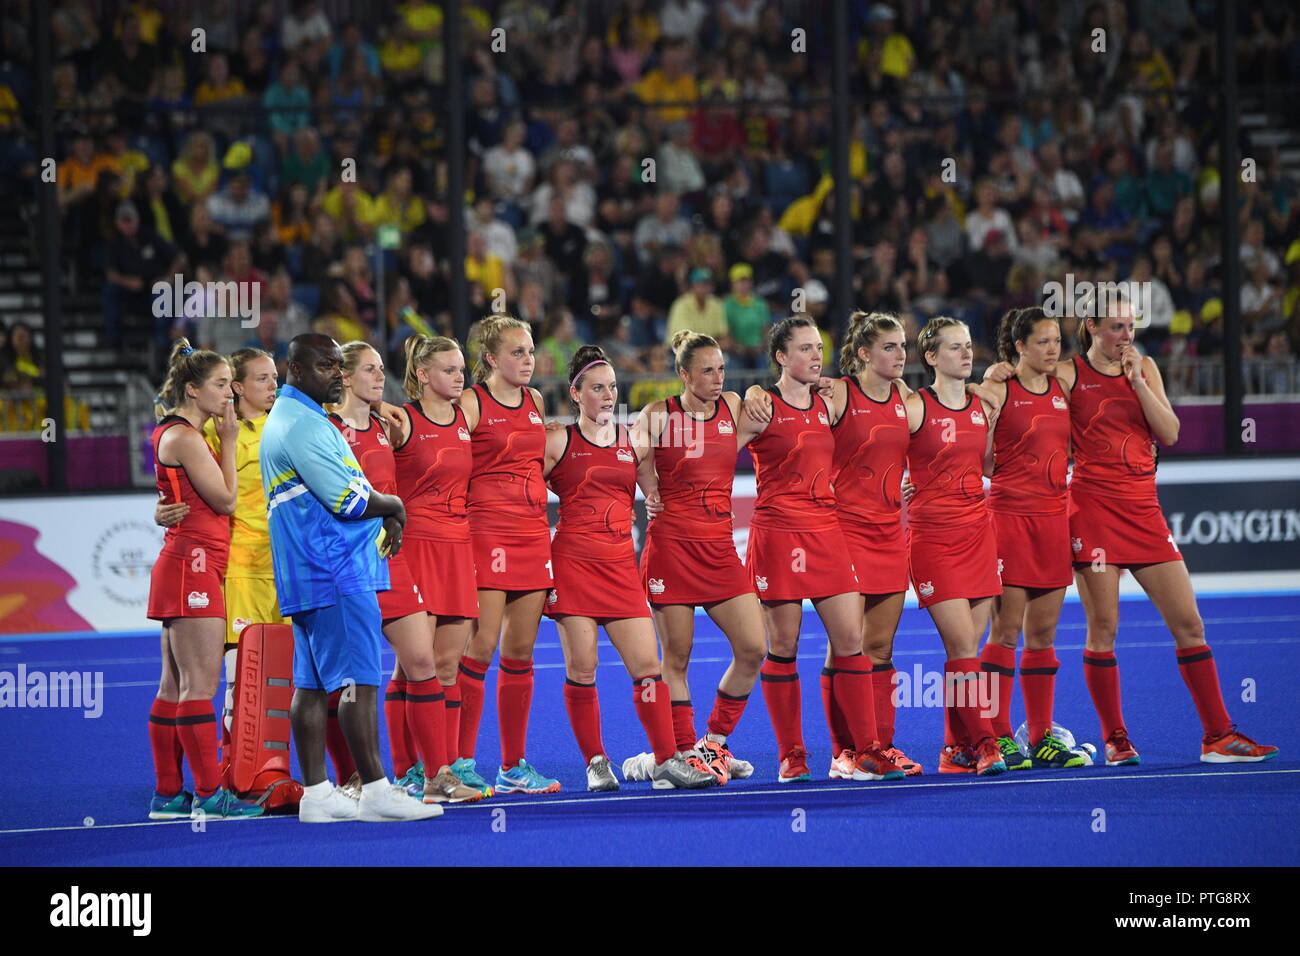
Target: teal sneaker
x,y
224,805
171,808
522,778
468,773
413,781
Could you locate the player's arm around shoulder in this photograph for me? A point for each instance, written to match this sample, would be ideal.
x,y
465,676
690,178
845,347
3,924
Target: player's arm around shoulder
x,y
557,442
1066,373
915,406
470,408
836,396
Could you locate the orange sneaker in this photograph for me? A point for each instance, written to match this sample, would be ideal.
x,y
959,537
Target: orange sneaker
x,y
1120,750
1234,747
872,764
956,759
843,765
905,763
794,767
717,759
989,758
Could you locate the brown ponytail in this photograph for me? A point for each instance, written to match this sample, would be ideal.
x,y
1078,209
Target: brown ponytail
x,y
185,366
864,328
779,337
928,340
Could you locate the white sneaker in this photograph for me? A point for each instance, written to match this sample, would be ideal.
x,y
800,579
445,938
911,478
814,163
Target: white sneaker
x,y
600,775
639,767
335,807
392,804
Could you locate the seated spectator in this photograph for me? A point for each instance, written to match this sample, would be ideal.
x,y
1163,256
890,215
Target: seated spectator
x,y
509,167
353,211
1063,186
288,105
305,163
225,333
338,318
564,242
594,293
670,82
306,32
428,285
748,318
660,382
987,216
497,235
1165,184
291,215
252,62
1261,301
195,172
281,319
678,167
561,337
219,88
350,41
532,307
699,310
129,60
664,227
563,183
203,242
398,205
356,274
159,208
239,208
486,270
133,261
22,364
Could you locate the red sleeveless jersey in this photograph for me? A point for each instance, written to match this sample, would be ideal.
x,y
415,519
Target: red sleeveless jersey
x,y
506,493
596,486
202,526
1113,445
696,463
792,463
433,469
1031,448
373,452
871,440
945,457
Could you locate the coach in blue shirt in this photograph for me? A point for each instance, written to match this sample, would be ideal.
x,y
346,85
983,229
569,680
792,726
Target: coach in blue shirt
x,y
326,522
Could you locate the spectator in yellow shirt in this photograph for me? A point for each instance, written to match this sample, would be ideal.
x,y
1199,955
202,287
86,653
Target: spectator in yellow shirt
x,y
672,82
886,52
699,310
353,209
485,269
397,205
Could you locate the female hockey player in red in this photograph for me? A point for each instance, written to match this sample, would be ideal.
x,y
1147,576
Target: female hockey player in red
x,y
593,469
1028,500
512,549
414,700
951,549
1118,409
796,551
185,589
690,559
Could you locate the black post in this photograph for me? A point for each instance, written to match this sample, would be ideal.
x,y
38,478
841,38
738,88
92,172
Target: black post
x,y
51,253
842,294
1229,170
456,148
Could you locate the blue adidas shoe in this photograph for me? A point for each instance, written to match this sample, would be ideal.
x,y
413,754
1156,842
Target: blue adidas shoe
x,y
522,778
224,805
171,808
413,781
464,769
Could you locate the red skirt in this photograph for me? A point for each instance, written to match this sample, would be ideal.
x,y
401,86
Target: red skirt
x,y
793,565
177,589
879,555
692,571
955,561
444,571
595,579
1125,532
1034,550
404,595
512,563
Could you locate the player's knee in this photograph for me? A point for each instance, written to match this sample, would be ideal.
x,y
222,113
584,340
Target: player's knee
x,y
748,657
783,646
1189,632
676,659
1006,633
1040,637
581,673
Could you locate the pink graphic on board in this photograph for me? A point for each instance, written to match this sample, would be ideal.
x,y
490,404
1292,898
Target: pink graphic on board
x,y
33,589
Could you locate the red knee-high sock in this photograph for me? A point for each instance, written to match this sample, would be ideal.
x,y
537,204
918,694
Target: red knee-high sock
x,y
399,736
841,738
337,744
1038,684
1196,664
726,713
654,710
196,724
583,706
999,662
851,690
451,722
1101,672
166,746
427,718
952,736
780,678
882,693
962,699
514,700
683,717
472,676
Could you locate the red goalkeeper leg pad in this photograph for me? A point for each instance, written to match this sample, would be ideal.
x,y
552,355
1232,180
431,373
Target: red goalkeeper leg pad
x,y
259,731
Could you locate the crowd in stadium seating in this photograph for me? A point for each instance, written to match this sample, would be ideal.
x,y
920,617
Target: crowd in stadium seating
x,y
638,167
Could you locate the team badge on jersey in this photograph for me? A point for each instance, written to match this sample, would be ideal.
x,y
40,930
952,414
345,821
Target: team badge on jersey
x,y
760,582
999,567
900,411
463,434
976,418
821,417
726,428
534,418
656,585
383,439
925,588
197,599
240,624
552,597
1076,545
624,454
1058,402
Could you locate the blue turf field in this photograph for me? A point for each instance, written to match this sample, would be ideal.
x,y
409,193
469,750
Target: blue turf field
x,y
61,769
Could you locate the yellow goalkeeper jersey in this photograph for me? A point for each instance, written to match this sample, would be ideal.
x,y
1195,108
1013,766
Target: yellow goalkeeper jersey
x,y
250,538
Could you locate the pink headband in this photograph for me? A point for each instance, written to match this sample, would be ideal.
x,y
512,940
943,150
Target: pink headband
x,y
582,371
